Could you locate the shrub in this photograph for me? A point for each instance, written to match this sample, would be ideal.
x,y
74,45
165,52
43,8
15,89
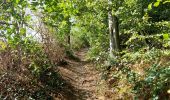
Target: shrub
x,y
25,64
155,85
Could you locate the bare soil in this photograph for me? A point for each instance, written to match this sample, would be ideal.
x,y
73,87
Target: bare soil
x,y
83,80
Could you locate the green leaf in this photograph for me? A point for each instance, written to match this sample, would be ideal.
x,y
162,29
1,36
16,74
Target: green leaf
x,y
28,17
165,36
17,1
150,6
34,4
166,2
22,31
2,45
156,4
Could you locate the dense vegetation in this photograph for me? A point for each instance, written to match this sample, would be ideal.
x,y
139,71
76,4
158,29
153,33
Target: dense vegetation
x,y
128,42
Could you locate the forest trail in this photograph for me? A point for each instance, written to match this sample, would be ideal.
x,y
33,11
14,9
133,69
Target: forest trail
x,y
82,79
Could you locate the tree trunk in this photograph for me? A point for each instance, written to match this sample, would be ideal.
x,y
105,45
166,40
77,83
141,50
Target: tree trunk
x,y
69,31
116,33
69,40
112,42
113,31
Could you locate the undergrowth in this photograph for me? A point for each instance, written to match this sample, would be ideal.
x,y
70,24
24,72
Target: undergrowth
x,y
28,68
139,75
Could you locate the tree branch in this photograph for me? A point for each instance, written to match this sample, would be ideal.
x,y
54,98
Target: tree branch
x,y
5,23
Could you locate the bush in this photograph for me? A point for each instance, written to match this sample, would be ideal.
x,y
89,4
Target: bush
x,y
155,85
146,72
25,65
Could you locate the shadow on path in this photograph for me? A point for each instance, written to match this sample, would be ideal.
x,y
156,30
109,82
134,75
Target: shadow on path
x,y
80,79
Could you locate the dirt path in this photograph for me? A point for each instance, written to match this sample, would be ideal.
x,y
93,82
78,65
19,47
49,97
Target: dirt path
x,y
82,79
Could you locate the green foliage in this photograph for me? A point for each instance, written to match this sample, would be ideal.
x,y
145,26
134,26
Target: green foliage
x,y
144,34
159,10
155,84
79,38
24,61
147,72
39,61
144,54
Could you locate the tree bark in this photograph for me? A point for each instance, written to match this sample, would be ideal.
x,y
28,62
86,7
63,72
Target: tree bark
x,y
116,33
68,31
112,42
69,39
113,30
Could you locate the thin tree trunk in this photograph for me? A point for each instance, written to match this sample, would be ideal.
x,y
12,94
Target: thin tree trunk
x,y
69,39
113,30
116,33
69,31
112,46
110,21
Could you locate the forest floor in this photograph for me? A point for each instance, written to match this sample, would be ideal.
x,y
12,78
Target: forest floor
x,y
83,80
